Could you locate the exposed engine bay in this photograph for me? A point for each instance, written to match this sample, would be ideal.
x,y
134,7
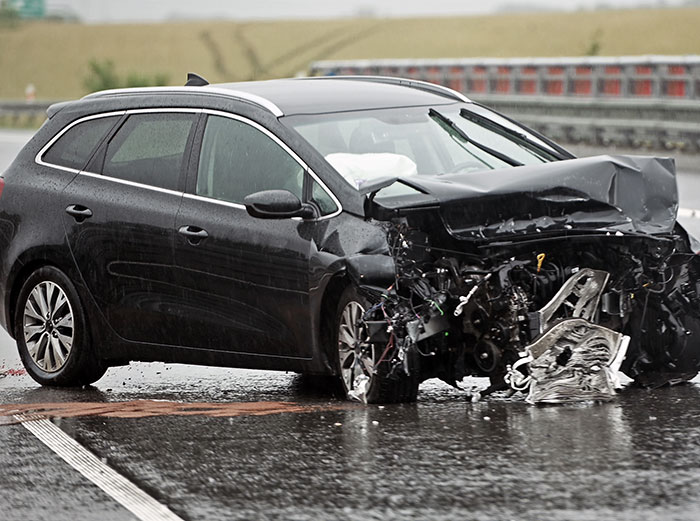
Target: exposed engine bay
x,y
554,317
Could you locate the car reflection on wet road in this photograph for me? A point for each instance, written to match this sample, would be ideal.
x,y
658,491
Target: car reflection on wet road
x,y
262,445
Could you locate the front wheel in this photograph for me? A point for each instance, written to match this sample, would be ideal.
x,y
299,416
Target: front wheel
x,y
51,332
363,366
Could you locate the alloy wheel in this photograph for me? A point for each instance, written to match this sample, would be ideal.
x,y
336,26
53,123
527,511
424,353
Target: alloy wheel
x,y
48,326
355,352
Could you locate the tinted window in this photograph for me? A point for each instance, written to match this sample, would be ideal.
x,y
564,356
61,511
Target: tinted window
x,y
149,149
237,160
74,148
322,199
368,144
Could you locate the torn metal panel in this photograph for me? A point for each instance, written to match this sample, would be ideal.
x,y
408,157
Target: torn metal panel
x,y
580,295
632,194
575,360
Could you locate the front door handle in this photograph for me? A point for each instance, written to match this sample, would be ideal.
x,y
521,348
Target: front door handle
x,y
194,234
79,212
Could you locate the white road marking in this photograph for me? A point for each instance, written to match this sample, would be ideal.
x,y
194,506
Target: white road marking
x,y
114,484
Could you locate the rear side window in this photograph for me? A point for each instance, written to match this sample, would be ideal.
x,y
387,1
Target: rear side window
x,y
74,148
150,149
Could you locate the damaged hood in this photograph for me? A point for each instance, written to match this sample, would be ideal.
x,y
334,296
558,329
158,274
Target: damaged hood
x,y
629,194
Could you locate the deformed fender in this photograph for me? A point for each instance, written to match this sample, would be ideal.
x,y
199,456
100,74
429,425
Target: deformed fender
x,y
371,270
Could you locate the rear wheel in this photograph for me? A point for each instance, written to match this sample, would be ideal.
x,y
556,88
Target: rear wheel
x,y
361,375
51,332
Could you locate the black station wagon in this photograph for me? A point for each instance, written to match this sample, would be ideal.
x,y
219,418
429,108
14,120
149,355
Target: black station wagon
x,y
383,231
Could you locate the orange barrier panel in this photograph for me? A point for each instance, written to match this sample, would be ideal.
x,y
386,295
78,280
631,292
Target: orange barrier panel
x,y
434,75
528,83
612,86
555,85
642,86
456,79
676,88
477,82
583,86
503,80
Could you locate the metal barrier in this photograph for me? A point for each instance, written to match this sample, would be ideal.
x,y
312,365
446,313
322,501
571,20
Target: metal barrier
x,y
631,101
652,124
643,77
23,113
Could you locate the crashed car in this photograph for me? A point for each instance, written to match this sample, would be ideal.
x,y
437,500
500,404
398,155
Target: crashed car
x,y
380,230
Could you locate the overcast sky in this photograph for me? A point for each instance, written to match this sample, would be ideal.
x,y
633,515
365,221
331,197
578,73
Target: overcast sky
x,y
98,11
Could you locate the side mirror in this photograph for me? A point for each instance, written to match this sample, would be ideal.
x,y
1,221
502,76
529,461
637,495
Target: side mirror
x,y
277,204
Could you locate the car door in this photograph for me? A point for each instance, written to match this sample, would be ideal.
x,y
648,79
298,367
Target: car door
x,y
245,280
120,219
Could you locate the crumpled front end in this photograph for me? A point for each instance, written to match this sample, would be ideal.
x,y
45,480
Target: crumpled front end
x,y
553,311
626,194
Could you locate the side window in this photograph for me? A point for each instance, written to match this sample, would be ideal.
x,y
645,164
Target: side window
x,y
150,149
237,160
74,148
322,199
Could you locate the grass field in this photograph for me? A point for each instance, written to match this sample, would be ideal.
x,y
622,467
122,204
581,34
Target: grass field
x,y
54,56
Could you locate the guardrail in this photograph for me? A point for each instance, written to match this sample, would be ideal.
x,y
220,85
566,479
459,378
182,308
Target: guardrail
x,y
665,77
634,123
23,113
651,123
631,101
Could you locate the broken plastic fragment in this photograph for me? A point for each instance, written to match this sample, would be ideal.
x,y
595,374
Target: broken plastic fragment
x,y
359,390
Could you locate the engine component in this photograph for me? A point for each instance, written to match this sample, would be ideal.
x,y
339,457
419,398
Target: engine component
x,y
556,324
580,294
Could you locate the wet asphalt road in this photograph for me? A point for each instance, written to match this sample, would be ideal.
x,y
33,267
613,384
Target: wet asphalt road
x,y
444,458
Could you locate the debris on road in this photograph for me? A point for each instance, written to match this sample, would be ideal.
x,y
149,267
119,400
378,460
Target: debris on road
x,y
150,408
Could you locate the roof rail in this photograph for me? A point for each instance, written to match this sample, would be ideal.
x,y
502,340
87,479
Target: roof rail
x,y
230,93
433,88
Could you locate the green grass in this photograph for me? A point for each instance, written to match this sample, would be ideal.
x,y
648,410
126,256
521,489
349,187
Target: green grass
x,y
54,56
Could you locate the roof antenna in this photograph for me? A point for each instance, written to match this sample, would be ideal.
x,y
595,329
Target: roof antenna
x,y
195,80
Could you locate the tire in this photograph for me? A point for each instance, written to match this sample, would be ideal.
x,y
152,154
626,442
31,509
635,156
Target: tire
x,y
354,356
52,334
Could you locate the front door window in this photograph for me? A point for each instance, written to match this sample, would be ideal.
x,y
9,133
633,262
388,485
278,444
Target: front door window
x,y
237,160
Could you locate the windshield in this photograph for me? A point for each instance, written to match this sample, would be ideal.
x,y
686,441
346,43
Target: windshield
x,y
406,141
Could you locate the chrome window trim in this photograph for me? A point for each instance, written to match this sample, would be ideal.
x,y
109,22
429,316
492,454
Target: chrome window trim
x,y
282,144
231,93
242,119
132,183
38,159
214,201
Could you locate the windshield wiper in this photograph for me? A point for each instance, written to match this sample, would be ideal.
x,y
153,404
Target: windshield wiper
x,y
455,130
516,137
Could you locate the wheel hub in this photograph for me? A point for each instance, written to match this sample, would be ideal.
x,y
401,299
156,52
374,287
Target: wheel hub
x,y
355,353
48,326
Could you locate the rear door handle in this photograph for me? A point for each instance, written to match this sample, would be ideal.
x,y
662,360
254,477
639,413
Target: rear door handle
x,y
194,234
79,212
